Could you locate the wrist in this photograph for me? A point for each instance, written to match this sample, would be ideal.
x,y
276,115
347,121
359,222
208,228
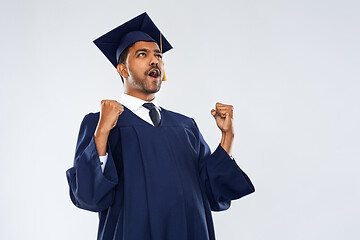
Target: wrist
x,y
101,130
100,138
228,134
226,141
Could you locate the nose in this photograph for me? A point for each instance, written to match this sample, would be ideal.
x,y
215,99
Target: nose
x,y
154,60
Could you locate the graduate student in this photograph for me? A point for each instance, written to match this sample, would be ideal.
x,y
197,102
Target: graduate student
x,y
146,170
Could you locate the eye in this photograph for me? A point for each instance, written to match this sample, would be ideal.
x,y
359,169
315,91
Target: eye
x,y
159,56
141,54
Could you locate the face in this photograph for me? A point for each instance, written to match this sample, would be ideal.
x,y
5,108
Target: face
x,y
144,68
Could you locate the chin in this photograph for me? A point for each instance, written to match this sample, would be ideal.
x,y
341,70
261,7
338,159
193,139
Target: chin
x,y
153,90
150,85
155,86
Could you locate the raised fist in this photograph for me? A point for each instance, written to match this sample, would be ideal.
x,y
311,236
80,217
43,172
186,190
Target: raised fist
x,y
223,115
110,111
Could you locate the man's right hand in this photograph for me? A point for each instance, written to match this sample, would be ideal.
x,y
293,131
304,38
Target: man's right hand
x,y
110,112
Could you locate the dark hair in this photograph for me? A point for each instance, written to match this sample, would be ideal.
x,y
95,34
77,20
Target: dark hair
x,y
123,56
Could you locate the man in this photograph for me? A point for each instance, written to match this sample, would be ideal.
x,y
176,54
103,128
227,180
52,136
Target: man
x,y
146,170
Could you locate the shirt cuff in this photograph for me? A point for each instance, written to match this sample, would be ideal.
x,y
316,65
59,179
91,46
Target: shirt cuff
x,y
103,160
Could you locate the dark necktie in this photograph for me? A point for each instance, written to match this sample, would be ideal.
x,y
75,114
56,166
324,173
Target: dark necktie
x,y
154,115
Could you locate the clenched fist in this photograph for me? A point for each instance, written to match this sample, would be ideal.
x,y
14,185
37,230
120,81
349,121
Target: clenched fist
x,y
110,111
223,115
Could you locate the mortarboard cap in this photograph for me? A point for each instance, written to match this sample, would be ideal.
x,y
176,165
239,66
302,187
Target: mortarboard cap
x,y
140,28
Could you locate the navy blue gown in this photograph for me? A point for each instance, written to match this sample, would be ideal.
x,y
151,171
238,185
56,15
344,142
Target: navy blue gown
x,y
158,183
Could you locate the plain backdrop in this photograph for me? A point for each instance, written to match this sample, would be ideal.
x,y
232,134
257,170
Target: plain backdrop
x,y
290,68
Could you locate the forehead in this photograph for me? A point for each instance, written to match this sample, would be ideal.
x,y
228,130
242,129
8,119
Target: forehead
x,y
145,45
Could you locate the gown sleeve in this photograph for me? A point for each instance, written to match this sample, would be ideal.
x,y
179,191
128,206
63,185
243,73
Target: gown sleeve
x,y
90,188
221,176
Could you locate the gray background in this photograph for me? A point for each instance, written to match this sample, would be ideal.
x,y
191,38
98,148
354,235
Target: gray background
x,y
290,68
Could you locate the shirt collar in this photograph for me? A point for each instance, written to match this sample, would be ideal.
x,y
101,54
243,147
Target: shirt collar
x,y
134,103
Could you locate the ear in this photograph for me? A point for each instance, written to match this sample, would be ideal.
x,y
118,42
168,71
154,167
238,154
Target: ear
x,y
122,69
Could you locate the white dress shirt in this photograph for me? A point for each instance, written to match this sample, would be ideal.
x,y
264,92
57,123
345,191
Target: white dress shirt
x,y
136,106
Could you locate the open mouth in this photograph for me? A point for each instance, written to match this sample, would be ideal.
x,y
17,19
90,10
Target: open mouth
x,y
154,73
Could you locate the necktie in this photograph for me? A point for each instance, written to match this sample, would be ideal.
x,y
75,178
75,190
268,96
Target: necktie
x,y
154,115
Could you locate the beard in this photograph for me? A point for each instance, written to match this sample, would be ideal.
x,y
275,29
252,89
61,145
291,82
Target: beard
x,y
146,84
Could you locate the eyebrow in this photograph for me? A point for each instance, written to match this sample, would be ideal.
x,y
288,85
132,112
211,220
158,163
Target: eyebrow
x,y
146,50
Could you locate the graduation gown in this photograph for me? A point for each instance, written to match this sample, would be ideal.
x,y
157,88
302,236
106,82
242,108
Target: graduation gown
x,y
158,183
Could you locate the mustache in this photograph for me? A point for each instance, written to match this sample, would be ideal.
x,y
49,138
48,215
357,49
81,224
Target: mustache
x,y
152,68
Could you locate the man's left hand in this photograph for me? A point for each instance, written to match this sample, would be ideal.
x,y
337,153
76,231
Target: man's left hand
x,y
223,115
